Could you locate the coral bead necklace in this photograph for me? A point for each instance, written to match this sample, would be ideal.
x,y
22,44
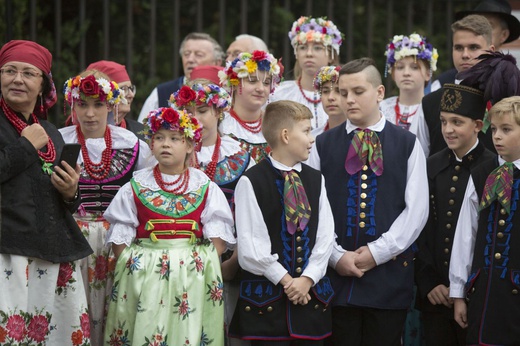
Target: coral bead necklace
x,y
211,168
182,181
98,171
251,126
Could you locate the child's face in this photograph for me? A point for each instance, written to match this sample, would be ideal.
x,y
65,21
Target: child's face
x,y
506,136
171,150
360,99
208,117
410,74
92,117
299,140
311,56
255,91
459,132
330,99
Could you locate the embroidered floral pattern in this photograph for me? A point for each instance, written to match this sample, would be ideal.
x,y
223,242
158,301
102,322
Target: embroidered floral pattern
x,y
258,151
183,306
24,328
122,161
215,292
164,267
133,263
231,168
158,339
65,278
119,336
197,261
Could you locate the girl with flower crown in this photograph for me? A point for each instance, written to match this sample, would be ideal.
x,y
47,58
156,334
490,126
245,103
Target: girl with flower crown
x,y
410,60
169,225
316,43
109,156
220,157
249,79
326,84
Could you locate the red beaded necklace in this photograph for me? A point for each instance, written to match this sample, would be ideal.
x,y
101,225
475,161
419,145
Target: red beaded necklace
x,y
399,116
256,128
314,101
19,125
212,166
184,179
98,171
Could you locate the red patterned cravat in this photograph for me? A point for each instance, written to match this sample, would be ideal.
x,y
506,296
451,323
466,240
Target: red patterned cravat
x,y
297,207
365,146
498,186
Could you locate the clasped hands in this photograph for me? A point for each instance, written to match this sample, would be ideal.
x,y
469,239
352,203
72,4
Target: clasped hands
x,y
355,263
297,289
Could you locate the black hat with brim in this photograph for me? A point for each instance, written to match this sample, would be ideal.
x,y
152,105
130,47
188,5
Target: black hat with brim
x,y
500,8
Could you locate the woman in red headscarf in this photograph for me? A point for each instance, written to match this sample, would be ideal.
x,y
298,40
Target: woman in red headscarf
x,y
42,298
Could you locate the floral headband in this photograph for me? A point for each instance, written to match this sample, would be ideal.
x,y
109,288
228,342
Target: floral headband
x,y
247,64
320,30
199,94
78,87
326,74
173,120
415,45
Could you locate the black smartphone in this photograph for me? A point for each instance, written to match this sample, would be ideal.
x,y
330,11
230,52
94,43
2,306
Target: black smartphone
x,y
70,154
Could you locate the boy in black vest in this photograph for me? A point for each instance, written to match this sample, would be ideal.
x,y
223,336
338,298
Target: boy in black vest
x,y
484,269
285,234
462,111
379,208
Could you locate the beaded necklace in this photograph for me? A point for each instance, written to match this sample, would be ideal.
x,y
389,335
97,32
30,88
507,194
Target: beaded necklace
x,y
46,158
212,166
314,101
183,181
98,171
248,125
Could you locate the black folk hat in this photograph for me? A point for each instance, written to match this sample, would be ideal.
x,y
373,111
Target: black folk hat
x,y
500,8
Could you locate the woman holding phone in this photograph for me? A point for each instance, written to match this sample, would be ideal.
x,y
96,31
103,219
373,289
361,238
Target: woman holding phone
x,y
109,155
42,297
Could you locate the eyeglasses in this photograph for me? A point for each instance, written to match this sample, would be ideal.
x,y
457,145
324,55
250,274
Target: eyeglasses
x,y
131,88
12,73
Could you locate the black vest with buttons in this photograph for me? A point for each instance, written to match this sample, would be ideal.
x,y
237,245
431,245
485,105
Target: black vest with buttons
x,y
96,195
364,207
493,286
263,310
447,179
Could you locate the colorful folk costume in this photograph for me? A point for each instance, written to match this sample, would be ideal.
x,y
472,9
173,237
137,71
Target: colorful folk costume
x,y
106,164
274,242
409,117
168,282
42,297
249,134
325,74
304,30
448,177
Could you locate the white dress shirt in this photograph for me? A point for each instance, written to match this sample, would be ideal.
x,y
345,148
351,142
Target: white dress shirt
x,y
254,244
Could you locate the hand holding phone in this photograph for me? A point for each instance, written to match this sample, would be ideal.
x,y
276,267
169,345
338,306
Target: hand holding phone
x,y
70,155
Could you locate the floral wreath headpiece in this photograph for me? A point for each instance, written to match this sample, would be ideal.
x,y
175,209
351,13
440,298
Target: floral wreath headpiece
x,y
326,74
173,120
198,94
414,45
79,88
247,64
319,30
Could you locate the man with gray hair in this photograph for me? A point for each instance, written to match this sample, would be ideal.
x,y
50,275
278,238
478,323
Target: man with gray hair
x,y
197,49
244,43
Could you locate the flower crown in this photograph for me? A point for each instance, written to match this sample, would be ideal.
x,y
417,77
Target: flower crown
x,y
173,120
199,94
414,45
326,74
321,30
247,64
79,88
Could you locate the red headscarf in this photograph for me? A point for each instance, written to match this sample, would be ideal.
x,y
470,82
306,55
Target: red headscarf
x,y
113,70
209,72
31,53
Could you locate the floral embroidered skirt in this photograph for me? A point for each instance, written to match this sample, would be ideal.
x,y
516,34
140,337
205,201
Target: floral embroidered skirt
x,y
167,293
42,303
97,270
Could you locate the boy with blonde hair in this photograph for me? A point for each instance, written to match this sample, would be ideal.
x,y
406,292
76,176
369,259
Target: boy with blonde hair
x,y
285,231
484,274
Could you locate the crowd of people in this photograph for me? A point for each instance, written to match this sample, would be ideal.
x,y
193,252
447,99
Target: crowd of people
x,y
243,209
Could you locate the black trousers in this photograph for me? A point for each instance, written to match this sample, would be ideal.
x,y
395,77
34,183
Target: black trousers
x,y
353,326
440,329
287,343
